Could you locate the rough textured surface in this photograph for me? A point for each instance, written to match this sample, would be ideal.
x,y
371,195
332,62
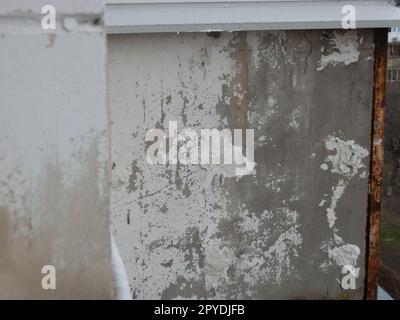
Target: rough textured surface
x,y
285,231
54,184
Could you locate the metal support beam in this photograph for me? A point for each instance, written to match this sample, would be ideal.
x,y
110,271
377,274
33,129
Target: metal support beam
x,y
377,153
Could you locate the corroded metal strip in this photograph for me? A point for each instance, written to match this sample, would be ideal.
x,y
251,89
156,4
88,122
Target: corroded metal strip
x,y
376,175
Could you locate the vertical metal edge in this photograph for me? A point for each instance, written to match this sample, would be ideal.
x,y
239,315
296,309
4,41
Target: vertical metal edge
x,y
376,167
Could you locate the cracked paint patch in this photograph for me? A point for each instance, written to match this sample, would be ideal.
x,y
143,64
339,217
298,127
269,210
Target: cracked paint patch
x,y
218,259
267,261
294,118
195,230
342,48
190,248
348,156
346,161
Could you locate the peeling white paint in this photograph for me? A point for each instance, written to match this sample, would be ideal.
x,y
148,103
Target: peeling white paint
x,y
164,219
262,138
339,253
259,120
347,158
274,182
345,254
296,197
276,263
218,259
345,161
322,203
363,175
337,193
294,118
324,166
193,225
250,222
343,49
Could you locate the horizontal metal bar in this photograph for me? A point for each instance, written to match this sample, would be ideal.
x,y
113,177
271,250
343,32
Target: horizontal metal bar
x,y
245,15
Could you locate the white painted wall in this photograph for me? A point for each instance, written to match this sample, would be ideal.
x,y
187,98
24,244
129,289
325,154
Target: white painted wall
x,y
53,151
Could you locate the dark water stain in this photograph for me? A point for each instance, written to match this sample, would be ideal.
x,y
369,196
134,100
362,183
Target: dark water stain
x,y
52,39
132,187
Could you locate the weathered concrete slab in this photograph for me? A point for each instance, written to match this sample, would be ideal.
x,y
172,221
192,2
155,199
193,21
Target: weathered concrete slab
x,y
54,184
287,229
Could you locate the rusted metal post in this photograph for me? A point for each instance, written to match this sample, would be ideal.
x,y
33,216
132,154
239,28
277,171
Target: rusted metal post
x,y
376,176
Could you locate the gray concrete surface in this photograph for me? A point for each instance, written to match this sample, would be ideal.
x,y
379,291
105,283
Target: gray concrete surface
x,y
287,229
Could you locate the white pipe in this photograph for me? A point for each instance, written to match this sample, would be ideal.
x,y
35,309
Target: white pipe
x,y
120,279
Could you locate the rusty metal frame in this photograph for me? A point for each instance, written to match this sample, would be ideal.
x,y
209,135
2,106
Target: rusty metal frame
x,y
376,168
